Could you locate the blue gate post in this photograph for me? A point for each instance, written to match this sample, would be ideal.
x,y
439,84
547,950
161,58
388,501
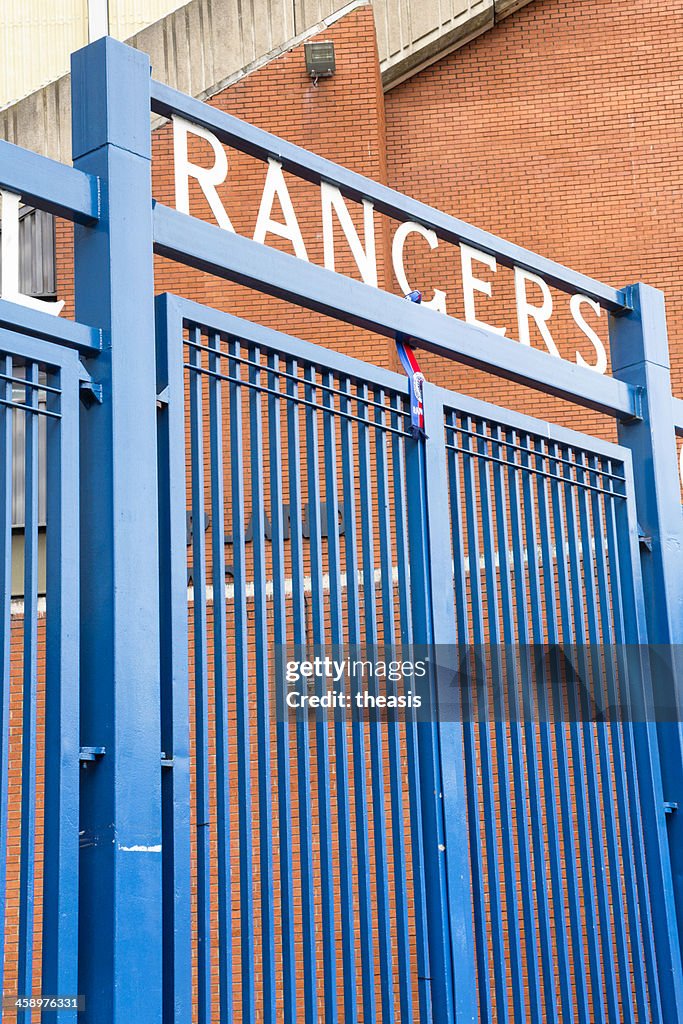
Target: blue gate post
x,y
442,771
640,356
121,890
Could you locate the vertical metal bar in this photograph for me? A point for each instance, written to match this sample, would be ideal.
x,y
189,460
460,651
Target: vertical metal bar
x,y
398,419
29,693
604,634
242,679
280,638
357,726
220,679
522,776
577,729
121,865
302,733
588,540
639,912
548,836
376,756
175,714
552,632
392,727
6,424
201,683
494,529
340,730
474,811
645,760
562,629
640,356
442,768
480,598
321,726
267,935
508,637
61,771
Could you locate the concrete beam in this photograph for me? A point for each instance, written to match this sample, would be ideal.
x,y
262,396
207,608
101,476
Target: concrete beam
x,y
208,44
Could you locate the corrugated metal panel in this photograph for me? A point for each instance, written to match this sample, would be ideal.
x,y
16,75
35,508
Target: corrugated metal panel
x,y
37,254
36,38
37,274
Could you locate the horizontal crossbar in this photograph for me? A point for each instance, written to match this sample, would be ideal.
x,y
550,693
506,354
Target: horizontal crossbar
x,y
49,185
261,144
225,254
50,328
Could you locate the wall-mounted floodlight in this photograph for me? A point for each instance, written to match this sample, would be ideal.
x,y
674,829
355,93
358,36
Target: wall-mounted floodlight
x,y
320,61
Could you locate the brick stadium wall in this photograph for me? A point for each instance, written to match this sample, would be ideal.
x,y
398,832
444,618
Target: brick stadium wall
x,y
559,130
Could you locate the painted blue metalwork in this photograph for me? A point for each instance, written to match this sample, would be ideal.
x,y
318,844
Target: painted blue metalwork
x,y
451,972
282,732
6,422
34,323
61,770
49,185
224,254
175,728
559,627
415,814
121,873
220,679
357,729
263,714
29,739
242,687
640,356
302,731
340,727
202,822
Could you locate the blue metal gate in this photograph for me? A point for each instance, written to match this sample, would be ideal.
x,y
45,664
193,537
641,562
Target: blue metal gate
x,y
39,637
234,490
298,475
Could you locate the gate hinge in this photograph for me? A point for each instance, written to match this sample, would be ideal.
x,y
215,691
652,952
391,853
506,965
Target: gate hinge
x,y
90,754
162,398
636,415
644,539
670,806
91,392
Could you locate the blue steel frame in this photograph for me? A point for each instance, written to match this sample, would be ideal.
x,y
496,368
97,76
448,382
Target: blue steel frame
x,y
108,195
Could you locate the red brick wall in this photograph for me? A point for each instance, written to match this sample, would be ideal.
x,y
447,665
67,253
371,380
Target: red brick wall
x,y
559,130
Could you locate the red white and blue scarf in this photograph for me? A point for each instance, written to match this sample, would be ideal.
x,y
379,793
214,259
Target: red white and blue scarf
x,y
415,376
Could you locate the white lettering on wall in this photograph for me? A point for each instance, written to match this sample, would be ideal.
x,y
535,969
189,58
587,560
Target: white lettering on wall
x,y
277,186
539,314
206,177
472,284
409,227
536,308
575,304
9,285
363,253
